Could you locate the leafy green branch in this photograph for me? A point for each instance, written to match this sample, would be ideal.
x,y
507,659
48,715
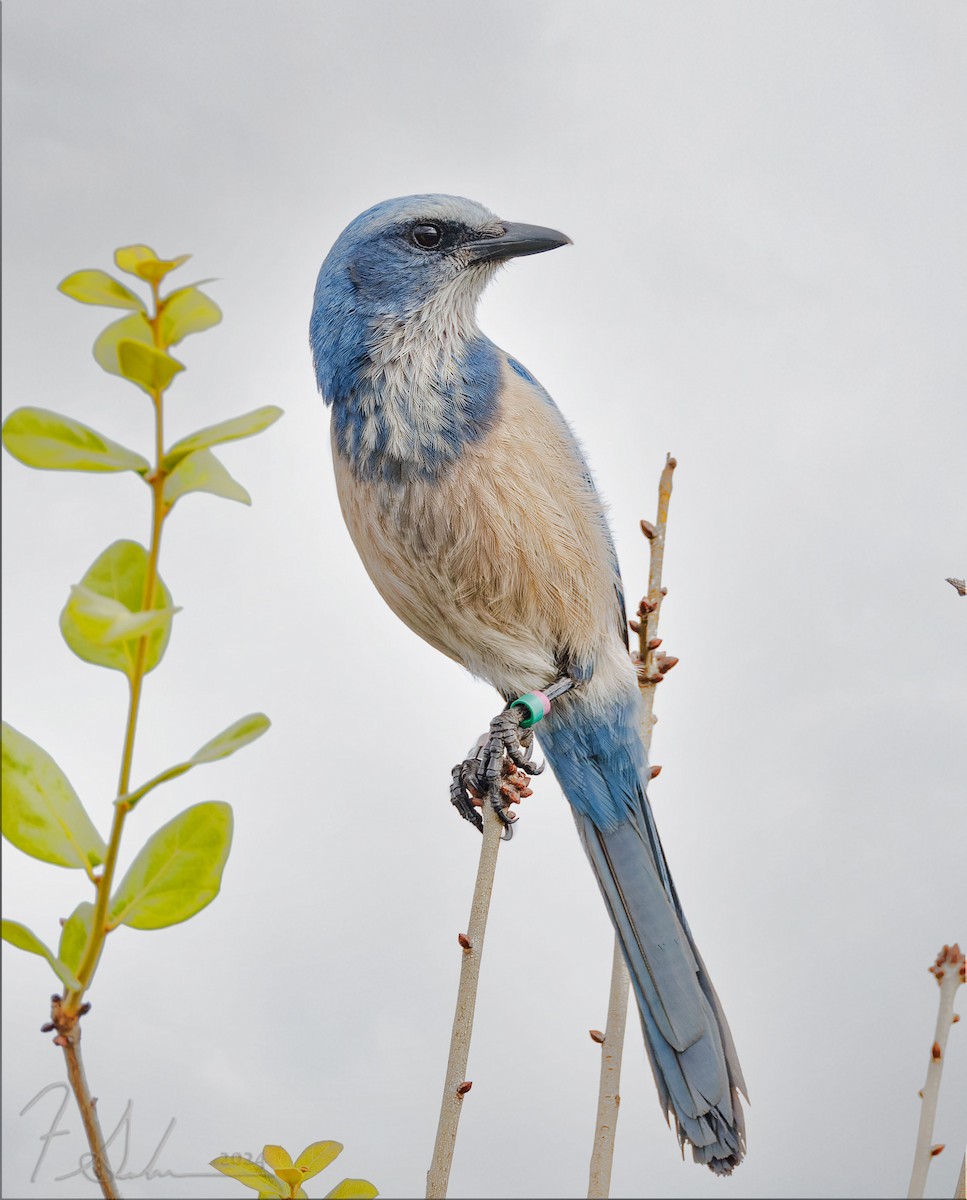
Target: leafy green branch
x,y
286,1178
119,616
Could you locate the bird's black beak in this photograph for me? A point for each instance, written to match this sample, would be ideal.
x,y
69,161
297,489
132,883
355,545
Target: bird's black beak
x,y
515,241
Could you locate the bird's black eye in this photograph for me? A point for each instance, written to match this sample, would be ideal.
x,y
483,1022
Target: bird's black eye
x,y
427,236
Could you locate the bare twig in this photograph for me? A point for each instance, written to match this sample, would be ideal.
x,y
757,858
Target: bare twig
x,y
68,1028
457,1085
648,627
960,1191
609,1084
959,585
949,973
651,668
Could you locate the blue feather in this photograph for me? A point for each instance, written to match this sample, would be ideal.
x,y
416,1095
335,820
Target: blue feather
x,y
599,760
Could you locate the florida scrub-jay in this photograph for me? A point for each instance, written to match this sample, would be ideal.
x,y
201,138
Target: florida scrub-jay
x,y
473,510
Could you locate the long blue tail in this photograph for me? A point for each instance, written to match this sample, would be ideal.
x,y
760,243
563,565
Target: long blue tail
x,y
599,760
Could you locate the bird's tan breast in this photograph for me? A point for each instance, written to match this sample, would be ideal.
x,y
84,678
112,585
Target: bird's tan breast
x,y
502,560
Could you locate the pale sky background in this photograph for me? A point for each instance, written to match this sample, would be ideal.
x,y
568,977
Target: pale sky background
x,y
767,203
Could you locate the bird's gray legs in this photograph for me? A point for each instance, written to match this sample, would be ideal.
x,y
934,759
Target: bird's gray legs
x,y
497,769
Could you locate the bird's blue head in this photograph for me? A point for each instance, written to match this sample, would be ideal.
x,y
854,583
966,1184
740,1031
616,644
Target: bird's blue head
x,y
394,336
417,260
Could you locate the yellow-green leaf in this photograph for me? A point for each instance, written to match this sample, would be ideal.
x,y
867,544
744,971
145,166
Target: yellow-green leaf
x,y
148,367
277,1156
41,813
102,621
353,1189
186,311
201,471
97,287
237,735
73,937
25,939
243,731
178,871
142,261
132,328
117,575
40,438
250,1174
247,425
289,1175
316,1157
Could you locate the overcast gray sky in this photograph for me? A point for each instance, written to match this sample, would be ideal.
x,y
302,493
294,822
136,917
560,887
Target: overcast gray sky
x,y
767,279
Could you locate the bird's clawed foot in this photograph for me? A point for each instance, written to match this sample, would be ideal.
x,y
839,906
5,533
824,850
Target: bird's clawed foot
x,y
497,771
499,768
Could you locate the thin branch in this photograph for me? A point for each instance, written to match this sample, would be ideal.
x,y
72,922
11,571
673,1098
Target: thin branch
x,y
69,1037
609,1084
949,973
456,1084
651,669
648,656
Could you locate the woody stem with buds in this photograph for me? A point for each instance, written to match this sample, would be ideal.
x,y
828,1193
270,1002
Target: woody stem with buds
x,y
651,670
948,970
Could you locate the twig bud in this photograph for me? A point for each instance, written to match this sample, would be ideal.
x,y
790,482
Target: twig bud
x,y
648,529
935,1150
936,1052
666,662
464,942
597,1036
634,626
646,606
654,771
955,1018
654,643
48,1028
464,1088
